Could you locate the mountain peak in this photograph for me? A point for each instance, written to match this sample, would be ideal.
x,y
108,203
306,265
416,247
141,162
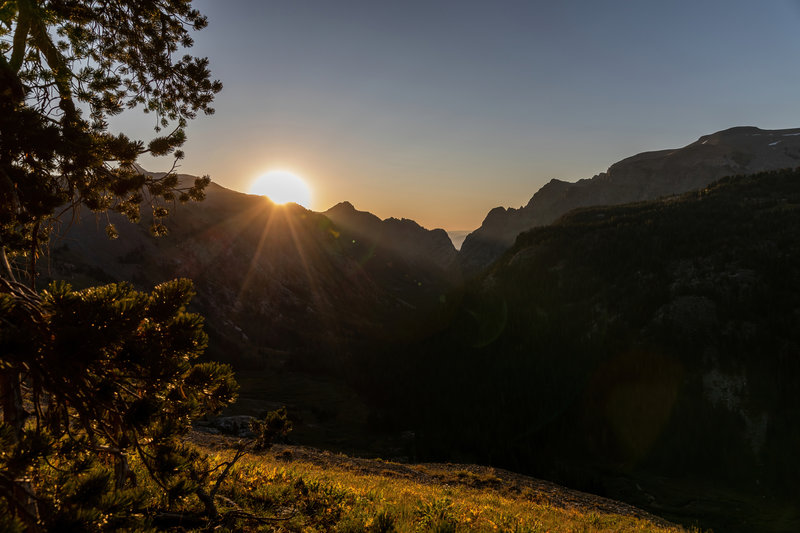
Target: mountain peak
x,y
739,130
402,235
343,206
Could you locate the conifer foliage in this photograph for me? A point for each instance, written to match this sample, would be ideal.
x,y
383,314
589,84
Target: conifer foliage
x,y
109,375
97,385
66,66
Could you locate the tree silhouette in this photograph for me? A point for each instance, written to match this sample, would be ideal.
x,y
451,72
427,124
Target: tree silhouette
x,y
96,384
66,66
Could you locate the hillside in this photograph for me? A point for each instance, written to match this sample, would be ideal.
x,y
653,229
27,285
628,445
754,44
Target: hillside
x,y
646,176
311,490
647,352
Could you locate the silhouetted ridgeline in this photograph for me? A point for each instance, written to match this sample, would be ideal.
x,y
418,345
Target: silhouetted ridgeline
x,y
649,352
645,176
403,237
275,283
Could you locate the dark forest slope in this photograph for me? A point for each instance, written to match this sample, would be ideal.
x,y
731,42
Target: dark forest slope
x,y
649,351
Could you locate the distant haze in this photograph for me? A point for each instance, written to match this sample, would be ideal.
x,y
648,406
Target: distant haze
x,y
457,237
439,111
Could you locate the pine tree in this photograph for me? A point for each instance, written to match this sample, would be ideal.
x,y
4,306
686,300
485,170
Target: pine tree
x,y
100,383
110,374
65,67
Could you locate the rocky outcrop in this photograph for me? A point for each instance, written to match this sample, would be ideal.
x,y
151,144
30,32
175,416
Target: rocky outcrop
x,y
646,176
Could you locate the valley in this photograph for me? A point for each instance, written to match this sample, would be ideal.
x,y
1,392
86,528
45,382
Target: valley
x,y
516,267
632,335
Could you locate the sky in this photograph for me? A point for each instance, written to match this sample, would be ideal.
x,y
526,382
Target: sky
x,y
439,111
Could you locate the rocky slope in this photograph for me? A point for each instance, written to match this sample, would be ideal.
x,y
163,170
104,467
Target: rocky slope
x,y
646,176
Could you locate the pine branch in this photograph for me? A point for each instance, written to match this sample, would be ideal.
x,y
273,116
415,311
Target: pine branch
x,y
20,38
21,498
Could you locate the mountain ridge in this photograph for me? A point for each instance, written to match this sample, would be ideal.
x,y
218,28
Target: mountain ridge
x,y
644,176
400,235
262,271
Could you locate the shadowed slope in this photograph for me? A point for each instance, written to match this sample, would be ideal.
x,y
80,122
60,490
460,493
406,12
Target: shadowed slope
x,y
648,352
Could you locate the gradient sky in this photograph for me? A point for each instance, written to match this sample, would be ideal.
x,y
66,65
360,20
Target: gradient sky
x,y
440,110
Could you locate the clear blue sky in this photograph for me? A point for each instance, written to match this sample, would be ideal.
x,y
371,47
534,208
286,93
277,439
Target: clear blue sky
x,y
440,110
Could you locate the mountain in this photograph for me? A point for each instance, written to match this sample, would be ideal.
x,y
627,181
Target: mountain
x,y
647,352
646,176
273,281
399,236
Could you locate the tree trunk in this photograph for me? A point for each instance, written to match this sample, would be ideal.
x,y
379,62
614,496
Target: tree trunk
x,y
34,255
18,493
11,401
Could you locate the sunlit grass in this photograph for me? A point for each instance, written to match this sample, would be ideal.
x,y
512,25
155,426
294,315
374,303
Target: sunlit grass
x,y
289,493
305,497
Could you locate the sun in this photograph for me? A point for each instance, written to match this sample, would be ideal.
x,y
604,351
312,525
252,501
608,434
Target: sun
x,y
282,187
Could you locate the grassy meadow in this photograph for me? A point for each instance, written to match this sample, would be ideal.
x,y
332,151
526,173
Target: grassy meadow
x,y
304,490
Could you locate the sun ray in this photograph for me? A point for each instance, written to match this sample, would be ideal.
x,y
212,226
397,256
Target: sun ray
x,y
232,226
257,253
285,219
312,282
